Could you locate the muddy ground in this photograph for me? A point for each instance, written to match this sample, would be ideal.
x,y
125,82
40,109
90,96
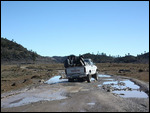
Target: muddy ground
x,y
64,96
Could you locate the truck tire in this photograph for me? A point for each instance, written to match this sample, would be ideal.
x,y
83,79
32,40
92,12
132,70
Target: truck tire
x,y
95,76
89,78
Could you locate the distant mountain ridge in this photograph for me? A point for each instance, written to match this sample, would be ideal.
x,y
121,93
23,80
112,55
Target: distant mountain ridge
x,y
12,53
103,58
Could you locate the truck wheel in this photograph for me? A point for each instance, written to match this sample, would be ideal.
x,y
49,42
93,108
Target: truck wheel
x,y
95,76
89,78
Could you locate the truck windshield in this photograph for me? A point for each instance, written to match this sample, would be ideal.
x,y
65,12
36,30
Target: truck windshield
x,y
88,61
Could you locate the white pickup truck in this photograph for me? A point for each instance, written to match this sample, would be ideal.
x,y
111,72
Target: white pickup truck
x,y
80,69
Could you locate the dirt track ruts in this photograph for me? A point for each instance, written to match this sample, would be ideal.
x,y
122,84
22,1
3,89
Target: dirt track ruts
x,y
81,97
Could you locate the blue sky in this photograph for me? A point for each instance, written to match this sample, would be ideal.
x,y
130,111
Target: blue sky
x,y
60,28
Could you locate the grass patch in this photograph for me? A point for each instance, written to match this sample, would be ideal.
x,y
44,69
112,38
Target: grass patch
x,y
138,71
18,76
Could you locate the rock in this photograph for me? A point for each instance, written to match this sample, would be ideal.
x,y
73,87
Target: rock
x,y
14,84
121,94
112,84
61,77
42,81
119,89
121,83
35,76
140,70
109,90
104,87
130,89
123,70
24,80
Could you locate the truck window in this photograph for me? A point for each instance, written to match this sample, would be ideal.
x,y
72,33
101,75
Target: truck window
x,y
88,61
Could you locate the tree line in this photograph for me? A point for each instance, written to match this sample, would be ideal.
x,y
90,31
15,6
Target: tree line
x,y
103,58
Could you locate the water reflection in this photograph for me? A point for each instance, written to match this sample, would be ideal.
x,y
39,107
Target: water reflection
x,y
56,79
124,88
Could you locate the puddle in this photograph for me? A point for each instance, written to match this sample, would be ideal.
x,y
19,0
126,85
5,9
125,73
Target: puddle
x,y
34,95
133,94
92,79
56,79
91,104
124,88
104,75
108,79
99,85
122,84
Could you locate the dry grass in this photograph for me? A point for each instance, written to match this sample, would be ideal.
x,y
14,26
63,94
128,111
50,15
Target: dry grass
x,y
138,71
18,76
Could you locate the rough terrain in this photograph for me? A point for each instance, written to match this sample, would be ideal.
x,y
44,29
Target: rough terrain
x,y
77,97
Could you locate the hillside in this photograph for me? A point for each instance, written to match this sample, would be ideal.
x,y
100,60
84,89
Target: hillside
x,y
103,58
144,58
11,52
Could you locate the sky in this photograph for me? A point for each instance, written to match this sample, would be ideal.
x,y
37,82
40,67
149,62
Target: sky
x,y
61,28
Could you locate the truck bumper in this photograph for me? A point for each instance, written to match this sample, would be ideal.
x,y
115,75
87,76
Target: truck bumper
x,y
76,76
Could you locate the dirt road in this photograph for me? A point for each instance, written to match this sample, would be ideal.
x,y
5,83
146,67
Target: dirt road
x,y
109,93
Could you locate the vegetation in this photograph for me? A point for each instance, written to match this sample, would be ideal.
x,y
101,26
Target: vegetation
x,y
103,58
17,76
13,53
10,50
138,71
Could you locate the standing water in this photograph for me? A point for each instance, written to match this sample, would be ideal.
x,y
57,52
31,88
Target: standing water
x,y
56,79
124,88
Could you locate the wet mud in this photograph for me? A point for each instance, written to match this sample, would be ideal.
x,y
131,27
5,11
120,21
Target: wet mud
x,y
57,94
